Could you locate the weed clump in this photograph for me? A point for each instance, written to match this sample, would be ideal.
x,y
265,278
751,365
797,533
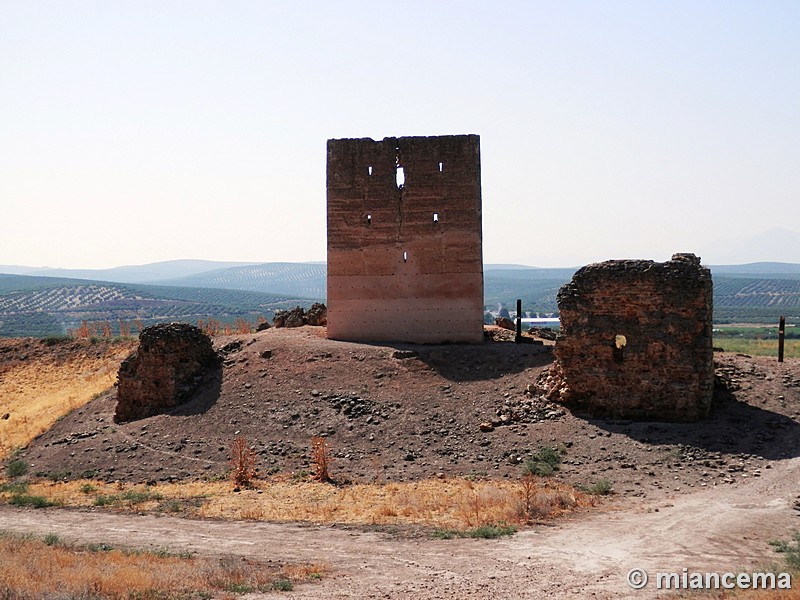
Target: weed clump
x,y
485,532
16,468
320,455
602,487
243,463
543,463
31,500
790,550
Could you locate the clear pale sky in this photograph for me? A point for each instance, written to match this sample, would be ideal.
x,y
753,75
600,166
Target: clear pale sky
x,y
139,131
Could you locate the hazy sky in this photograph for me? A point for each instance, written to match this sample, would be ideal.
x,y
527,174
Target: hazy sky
x,y
133,132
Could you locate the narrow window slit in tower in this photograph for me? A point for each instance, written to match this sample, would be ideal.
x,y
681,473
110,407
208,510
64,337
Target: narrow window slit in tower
x,y
435,217
369,169
441,167
401,177
405,256
369,219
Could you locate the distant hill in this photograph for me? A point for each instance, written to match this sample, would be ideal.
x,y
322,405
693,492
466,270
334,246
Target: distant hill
x,y
298,279
776,243
38,306
149,273
42,306
769,270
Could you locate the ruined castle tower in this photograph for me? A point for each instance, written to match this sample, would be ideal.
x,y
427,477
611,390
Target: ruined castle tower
x,y
635,340
405,249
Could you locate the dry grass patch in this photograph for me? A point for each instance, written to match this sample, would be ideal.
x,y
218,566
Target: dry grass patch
x,y
456,504
53,381
38,569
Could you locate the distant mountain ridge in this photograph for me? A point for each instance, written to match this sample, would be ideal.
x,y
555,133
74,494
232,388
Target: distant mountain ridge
x,y
151,272
36,305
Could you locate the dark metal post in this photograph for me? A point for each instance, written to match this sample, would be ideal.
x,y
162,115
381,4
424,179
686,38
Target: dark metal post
x,y
518,337
781,336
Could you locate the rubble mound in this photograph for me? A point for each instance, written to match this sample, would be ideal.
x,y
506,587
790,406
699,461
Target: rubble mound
x,y
297,317
171,362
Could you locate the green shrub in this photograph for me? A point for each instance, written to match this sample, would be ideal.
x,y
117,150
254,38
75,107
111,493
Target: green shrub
x,y
487,532
16,468
283,584
51,539
444,534
543,463
602,487
29,500
55,476
15,487
137,497
790,550
104,500
88,488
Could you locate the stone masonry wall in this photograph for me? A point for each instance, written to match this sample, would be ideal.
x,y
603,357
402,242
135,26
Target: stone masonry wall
x,y
405,259
172,360
635,340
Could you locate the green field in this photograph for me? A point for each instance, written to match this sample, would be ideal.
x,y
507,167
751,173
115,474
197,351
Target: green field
x,y
758,340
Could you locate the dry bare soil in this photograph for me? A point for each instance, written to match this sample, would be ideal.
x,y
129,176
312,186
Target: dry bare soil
x,y
707,495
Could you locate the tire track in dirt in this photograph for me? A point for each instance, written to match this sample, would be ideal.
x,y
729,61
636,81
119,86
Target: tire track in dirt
x,y
725,528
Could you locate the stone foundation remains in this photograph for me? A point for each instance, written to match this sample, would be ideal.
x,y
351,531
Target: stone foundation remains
x,y
171,362
635,340
405,250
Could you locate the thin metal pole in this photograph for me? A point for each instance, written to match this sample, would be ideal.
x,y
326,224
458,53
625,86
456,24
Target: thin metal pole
x,y
518,337
781,336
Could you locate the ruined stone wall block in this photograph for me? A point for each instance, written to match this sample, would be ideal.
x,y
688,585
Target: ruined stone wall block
x,y
405,263
636,340
171,362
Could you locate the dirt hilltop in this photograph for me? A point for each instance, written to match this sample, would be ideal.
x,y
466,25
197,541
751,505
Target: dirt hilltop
x,y
399,412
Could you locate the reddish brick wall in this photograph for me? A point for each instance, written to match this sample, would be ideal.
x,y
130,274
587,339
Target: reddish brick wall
x,y
665,369
405,263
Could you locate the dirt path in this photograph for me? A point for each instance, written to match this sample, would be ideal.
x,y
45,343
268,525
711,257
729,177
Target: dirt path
x,y
719,529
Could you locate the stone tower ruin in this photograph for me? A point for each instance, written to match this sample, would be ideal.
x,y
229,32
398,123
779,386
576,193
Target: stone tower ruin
x,y
405,249
635,340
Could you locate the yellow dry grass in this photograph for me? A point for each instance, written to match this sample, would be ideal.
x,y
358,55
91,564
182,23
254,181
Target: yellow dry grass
x,y
35,393
792,594
440,503
33,569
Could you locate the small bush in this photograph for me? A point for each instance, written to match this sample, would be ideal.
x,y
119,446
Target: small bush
x,y
282,584
55,476
104,500
790,550
602,487
137,497
51,539
543,463
489,532
29,500
14,487
486,532
87,488
16,468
